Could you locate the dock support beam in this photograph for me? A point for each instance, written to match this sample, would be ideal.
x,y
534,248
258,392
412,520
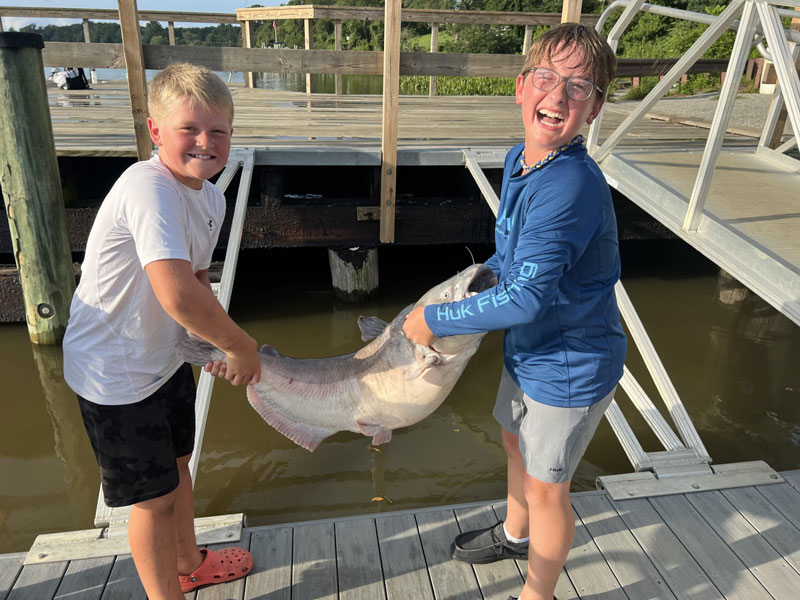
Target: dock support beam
x,y
354,273
32,189
391,96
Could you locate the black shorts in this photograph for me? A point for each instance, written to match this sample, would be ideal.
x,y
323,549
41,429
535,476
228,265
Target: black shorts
x,y
137,444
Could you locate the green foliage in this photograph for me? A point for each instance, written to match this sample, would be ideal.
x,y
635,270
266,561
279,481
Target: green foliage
x,y
458,86
152,33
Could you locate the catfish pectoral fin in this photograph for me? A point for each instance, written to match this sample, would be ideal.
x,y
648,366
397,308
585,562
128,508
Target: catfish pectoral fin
x,y
380,435
302,434
425,359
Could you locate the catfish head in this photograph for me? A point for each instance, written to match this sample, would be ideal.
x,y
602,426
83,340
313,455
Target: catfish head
x,y
467,283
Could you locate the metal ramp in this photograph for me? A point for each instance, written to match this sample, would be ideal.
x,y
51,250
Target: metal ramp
x,y
738,206
684,465
111,535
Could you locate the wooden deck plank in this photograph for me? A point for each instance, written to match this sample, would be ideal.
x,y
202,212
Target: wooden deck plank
x,y
497,580
632,568
770,522
272,569
785,498
123,583
85,579
357,564
680,571
451,579
731,544
10,567
314,563
37,582
718,561
763,561
793,479
403,561
587,570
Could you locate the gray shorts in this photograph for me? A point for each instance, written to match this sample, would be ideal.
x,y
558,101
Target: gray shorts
x,y
552,439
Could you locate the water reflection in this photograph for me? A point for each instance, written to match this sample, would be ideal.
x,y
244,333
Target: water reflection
x,y
731,357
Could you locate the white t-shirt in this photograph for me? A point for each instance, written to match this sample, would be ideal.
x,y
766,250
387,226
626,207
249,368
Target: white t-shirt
x,y
119,346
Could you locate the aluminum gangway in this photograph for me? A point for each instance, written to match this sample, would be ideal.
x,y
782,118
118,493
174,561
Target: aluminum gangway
x,y
740,206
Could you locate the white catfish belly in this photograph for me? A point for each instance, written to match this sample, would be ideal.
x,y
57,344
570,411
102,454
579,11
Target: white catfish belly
x,y
306,400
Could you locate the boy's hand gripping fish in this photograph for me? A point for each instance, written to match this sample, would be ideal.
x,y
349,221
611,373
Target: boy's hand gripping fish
x,y
390,383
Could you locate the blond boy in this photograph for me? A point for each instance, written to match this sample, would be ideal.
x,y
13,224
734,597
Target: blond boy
x,y
557,260
144,280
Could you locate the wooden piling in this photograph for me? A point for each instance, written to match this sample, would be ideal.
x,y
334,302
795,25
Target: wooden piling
x,y
32,188
354,273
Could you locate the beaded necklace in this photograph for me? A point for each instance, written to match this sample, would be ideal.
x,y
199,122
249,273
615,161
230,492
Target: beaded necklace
x,y
578,139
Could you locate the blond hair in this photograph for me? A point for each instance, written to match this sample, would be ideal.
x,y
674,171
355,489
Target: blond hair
x,y
184,81
598,57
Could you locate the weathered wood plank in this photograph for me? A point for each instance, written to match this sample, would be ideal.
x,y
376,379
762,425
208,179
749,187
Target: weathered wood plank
x,y
283,60
10,566
718,561
764,562
403,561
680,571
124,583
785,498
314,563
770,522
38,582
499,580
85,579
272,570
113,15
359,571
587,571
793,478
634,570
450,578
137,84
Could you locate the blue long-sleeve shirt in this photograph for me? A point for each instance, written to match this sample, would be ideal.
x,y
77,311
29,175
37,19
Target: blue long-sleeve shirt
x,y
557,260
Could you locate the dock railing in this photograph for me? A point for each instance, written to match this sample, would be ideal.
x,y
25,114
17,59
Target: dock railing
x,y
755,21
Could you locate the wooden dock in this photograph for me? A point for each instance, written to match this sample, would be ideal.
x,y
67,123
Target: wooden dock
x,y
98,122
740,543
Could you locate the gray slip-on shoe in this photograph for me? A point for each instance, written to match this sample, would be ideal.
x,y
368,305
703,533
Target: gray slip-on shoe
x,y
487,545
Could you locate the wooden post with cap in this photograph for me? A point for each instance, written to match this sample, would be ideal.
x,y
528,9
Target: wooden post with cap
x,y
32,189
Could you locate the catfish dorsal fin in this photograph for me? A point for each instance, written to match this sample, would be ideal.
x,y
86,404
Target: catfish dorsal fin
x,y
269,350
371,327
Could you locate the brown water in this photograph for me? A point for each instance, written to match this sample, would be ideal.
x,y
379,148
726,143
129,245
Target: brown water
x,y
733,359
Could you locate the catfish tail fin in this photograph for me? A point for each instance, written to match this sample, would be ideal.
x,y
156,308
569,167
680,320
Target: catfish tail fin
x,y
197,351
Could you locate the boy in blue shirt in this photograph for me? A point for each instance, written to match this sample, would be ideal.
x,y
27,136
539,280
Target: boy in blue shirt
x,y
556,260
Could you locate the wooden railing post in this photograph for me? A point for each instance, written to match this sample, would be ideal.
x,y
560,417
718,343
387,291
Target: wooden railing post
x,y
307,27
247,42
87,37
526,42
32,189
571,11
337,29
391,92
137,82
434,48
171,29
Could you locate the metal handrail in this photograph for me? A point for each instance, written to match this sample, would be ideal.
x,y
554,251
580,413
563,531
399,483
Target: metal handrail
x,y
754,16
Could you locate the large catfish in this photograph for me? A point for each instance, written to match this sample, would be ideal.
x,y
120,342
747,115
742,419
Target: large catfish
x,y
390,383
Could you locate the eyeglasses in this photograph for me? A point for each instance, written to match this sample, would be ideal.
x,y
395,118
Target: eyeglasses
x,y
546,80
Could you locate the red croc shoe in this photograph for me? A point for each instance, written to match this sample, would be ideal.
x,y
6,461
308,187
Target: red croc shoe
x,y
218,566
